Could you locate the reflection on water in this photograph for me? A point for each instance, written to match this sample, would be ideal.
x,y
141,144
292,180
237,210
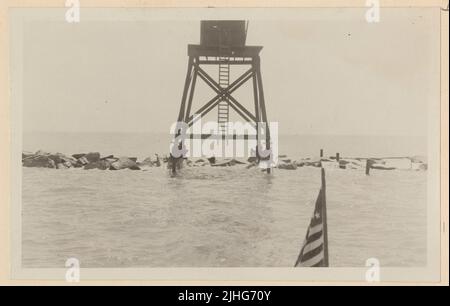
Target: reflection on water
x,y
212,217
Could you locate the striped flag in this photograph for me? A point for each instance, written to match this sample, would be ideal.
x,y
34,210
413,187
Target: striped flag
x,y
314,252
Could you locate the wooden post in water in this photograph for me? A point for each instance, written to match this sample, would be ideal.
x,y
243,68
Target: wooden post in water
x,y
321,156
368,166
337,157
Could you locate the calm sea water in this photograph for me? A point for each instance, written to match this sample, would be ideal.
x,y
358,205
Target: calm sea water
x,y
212,217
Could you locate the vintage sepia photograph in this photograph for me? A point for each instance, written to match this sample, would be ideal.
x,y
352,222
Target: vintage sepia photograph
x,y
302,140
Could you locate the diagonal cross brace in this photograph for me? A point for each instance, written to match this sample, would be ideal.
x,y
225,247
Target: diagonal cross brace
x,y
220,93
238,110
226,92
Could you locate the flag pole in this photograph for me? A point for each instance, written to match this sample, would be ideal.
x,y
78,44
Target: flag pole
x,y
324,219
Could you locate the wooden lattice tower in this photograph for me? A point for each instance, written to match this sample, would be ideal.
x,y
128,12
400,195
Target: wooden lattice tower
x,y
222,44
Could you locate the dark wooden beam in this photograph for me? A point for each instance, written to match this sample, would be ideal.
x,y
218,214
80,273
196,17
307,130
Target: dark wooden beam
x,y
237,110
186,88
246,51
215,62
191,94
232,101
255,96
262,103
205,108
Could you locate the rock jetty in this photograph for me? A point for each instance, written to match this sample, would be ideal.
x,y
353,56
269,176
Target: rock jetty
x,y
94,160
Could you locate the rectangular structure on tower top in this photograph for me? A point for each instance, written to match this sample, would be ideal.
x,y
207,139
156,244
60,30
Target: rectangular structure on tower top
x,y
223,33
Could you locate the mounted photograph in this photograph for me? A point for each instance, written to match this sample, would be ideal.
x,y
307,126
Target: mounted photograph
x,y
297,144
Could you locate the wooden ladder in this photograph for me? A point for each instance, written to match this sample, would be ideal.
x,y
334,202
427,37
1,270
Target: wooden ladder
x,y
223,112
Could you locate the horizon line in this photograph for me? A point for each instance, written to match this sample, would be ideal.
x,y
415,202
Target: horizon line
x,y
168,133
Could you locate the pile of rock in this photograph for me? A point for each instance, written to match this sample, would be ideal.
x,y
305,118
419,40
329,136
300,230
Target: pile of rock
x,y
87,161
287,164
94,160
226,162
43,159
406,163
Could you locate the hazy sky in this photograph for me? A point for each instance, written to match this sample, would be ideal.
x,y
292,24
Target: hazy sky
x,y
324,72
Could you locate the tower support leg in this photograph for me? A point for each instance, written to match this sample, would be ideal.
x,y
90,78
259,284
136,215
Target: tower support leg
x,y
260,105
189,85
